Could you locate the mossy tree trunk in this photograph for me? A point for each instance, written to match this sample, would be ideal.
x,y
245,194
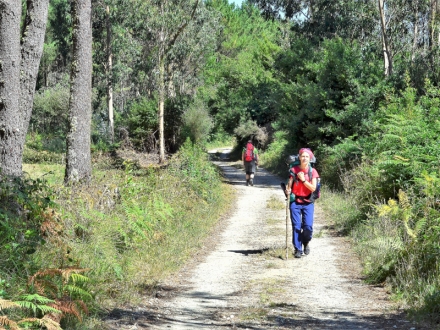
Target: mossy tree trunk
x,y
78,158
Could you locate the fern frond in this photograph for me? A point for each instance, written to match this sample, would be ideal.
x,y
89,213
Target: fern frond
x,y
68,307
4,321
83,306
36,302
420,226
72,289
401,158
51,324
78,278
36,298
386,244
45,287
67,272
6,304
45,321
27,304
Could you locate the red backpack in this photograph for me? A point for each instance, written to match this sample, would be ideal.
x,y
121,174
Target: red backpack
x,y
249,154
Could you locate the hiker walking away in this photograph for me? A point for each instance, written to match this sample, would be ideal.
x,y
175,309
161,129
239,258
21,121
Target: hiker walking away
x,y
302,183
249,157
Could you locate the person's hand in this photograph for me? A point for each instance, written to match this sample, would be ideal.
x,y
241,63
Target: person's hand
x,y
301,176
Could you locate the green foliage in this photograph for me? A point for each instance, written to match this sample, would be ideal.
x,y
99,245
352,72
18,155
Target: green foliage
x,y
329,95
273,157
36,304
402,144
49,116
24,203
131,227
142,123
197,123
238,76
250,130
35,156
192,163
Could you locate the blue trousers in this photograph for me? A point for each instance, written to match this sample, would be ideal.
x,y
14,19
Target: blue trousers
x,y
301,216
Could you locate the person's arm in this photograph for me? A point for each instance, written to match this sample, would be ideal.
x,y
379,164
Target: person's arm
x,y
309,185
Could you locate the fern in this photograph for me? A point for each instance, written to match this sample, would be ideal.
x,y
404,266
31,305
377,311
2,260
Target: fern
x,y
35,302
7,304
5,321
77,291
45,321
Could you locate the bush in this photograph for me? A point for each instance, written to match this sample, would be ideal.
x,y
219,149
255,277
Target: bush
x,y
196,123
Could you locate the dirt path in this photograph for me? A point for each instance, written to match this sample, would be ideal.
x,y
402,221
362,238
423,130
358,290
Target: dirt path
x,y
240,279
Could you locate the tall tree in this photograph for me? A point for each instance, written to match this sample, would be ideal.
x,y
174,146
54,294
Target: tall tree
x,y
109,69
433,24
386,49
19,63
78,158
10,154
32,48
167,36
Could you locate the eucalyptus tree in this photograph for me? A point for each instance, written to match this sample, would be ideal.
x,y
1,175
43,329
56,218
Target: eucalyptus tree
x,y
20,56
386,47
173,18
78,156
175,35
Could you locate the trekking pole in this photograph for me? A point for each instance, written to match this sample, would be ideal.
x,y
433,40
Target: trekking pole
x,y
287,224
283,186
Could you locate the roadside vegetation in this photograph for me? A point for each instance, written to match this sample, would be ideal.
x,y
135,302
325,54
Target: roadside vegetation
x,y
84,250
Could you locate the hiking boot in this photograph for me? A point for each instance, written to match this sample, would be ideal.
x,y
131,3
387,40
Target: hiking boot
x,y
247,182
251,181
306,248
297,254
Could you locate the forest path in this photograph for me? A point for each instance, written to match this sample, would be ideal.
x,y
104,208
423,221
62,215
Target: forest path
x,y
241,280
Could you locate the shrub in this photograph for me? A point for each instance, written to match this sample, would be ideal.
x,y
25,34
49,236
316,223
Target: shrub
x,y
197,123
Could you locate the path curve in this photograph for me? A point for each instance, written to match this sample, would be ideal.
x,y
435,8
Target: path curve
x,y
241,280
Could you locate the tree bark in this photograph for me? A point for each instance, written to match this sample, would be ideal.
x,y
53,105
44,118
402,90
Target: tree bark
x,y
109,78
415,31
388,64
161,83
10,148
432,25
78,157
32,42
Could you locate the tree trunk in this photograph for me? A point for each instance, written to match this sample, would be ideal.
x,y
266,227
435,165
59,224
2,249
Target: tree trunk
x,y
415,31
432,23
109,79
388,65
10,148
78,157
31,50
161,107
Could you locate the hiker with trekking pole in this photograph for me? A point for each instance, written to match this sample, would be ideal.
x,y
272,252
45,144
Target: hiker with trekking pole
x,y
303,183
249,158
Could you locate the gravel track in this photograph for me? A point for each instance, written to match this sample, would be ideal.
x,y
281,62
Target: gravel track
x,y
241,279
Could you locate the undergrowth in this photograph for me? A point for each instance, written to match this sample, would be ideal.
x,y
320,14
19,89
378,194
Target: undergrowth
x,y
397,242
98,246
